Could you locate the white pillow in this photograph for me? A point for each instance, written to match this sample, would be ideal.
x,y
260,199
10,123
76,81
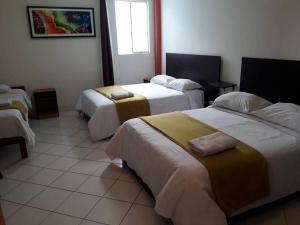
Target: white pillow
x,y
4,88
241,102
284,114
184,84
163,80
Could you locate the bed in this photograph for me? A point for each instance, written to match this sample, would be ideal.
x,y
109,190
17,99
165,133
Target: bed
x,y
14,128
202,69
181,185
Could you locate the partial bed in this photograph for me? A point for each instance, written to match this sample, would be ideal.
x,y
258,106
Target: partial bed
x,y
103,115
181,185
13,122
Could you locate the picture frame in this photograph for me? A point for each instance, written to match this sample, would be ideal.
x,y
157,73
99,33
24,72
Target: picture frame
x,y
58,22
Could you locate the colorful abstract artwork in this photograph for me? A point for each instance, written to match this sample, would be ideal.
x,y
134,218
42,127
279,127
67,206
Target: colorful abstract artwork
x,y
61,22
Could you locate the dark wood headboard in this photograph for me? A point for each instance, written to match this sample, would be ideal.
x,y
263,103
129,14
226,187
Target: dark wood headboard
x,y
203,69
273,79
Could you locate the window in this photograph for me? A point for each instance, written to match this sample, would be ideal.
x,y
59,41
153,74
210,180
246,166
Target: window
x,y
132,22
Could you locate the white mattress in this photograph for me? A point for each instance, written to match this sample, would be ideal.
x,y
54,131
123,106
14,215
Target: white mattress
x,y
181,183
104,118
11,121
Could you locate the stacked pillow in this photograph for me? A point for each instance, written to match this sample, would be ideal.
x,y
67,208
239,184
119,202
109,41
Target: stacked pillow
x,y
241,102
4,88
283,114
176,84
162,80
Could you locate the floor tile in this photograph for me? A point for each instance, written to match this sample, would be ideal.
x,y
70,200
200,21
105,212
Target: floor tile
x,y
23,193
125,191
45,176
69,181
7,184
31,156
78,153
127,176
69,140
62,163
98,155
144,198
87,143
9,208
96,186
27,216
141,215
274,216
40,147
58,219
49,199
108,170
78,205
109,211
86,222
59,150
42,160
85,167
81,133
292,211
21,172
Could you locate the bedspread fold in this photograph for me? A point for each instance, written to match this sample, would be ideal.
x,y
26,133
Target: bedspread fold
x,y
238,176
127,108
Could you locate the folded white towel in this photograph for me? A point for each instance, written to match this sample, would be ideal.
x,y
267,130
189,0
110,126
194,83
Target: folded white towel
x,y
5,99
121,95
212,144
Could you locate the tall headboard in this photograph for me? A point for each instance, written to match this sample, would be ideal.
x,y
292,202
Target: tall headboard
x,y
202,69
273,79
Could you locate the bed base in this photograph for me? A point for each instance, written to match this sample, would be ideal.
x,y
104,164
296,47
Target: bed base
x,y
15,140
83,115
233,219
139,179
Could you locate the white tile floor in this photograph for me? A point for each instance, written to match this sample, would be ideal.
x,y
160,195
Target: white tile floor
x,y
68,179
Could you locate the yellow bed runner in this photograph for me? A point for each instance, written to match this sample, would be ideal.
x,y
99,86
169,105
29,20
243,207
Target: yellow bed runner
x,y
18,106
127,108
238,176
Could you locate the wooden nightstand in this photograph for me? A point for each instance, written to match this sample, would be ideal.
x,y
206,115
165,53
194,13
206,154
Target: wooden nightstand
x,y
147,79
45,103
223,85
212,90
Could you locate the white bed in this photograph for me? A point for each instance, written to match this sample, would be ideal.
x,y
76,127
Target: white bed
x,y
104,118
181,184
11,121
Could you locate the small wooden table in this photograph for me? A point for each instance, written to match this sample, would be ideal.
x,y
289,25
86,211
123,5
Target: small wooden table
x,y
45,103
147,79
223,85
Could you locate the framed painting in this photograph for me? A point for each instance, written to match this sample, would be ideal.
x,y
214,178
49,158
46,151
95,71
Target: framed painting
x,y
53,22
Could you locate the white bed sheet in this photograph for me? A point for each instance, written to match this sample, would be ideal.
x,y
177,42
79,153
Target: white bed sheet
x,y
181,183
104,118
12,123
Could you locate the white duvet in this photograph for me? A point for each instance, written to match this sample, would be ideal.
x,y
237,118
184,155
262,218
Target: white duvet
x,y
181,184
12,123
104,118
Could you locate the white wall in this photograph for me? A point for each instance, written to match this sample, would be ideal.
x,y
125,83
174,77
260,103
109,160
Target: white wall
x,y
130,69
290,45
232,29
68,64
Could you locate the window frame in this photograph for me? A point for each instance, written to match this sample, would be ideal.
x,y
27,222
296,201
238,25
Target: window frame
x,y
131,31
